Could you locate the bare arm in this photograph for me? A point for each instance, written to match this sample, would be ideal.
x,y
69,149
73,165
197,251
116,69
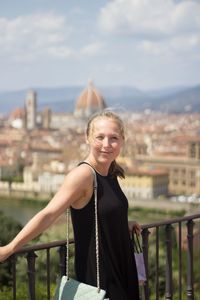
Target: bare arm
x,y
72,190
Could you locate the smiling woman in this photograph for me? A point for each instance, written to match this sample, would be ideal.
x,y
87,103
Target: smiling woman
x,y
105,136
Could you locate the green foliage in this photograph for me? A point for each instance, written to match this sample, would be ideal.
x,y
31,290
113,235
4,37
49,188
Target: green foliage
x,y
9,228
149,215
14,178
22,291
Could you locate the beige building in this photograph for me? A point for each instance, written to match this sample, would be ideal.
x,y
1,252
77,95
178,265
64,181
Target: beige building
x,y
184,172
46,118
145,184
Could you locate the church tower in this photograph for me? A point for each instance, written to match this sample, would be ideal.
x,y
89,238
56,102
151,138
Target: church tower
x,y
31,109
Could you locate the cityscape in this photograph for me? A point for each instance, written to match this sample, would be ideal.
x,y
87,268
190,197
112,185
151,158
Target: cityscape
x,y
141,60
161,155
161,159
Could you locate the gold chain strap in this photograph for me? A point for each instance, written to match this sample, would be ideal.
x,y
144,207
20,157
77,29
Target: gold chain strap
x,y
96,235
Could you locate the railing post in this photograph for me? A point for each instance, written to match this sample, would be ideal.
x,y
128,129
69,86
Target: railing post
x,y
157,263
145,246
13,261
62,252
31,257
168,284
180,259
190,288
48,275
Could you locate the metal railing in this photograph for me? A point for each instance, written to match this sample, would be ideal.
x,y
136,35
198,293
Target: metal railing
x,y
183,229
164,244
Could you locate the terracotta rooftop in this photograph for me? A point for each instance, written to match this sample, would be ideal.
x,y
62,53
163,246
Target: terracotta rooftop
x,y
90,98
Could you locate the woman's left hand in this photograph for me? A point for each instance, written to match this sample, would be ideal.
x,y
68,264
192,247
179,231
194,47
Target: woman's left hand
x,y
134,227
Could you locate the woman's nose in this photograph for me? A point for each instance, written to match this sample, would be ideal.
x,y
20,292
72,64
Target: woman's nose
x,y
106,142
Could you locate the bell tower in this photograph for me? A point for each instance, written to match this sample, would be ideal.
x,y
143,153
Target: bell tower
x,y
31,109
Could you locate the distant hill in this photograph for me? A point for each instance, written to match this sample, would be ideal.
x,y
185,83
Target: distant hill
x,y
58,99
185,100
63,99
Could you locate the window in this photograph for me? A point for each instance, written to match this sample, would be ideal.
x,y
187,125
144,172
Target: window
x,y
192,150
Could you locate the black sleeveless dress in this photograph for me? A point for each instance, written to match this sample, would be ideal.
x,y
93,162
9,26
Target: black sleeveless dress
x,y
118,275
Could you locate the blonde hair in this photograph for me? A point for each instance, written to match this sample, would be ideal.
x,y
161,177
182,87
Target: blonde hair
x,y
115,169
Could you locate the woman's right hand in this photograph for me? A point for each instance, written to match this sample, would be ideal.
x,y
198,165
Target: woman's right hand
x,y
5,252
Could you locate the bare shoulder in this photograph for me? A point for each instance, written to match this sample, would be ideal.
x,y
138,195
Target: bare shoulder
x,y
79,185
80,176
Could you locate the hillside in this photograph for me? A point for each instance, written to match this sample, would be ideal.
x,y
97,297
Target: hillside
x,y
59,99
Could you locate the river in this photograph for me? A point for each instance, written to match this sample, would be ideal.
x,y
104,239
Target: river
x,y
19,210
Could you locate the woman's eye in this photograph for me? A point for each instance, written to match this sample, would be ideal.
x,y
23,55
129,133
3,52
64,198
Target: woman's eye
x,y
99,137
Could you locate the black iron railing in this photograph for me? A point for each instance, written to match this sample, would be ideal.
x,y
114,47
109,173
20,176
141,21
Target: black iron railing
x,y
178,239
166,245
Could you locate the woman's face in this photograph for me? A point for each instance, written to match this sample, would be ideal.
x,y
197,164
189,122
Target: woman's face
x,y
105,139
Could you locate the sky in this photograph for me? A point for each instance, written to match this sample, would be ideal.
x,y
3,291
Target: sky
x,y
146,44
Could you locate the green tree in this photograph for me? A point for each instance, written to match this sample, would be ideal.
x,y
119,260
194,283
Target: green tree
x,y
9,228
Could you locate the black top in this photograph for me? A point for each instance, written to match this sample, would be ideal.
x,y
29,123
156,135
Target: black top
x,y
118,275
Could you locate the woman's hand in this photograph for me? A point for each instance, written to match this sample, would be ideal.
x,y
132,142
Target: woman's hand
x,y
134,227
5,252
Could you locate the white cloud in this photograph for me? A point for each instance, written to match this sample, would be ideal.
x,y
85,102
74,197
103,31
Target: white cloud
x,y
157,27
173,47
150,18
60,51
92,49
27,37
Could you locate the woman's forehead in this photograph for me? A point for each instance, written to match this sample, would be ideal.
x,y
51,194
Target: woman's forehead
x,y
106,127
105,122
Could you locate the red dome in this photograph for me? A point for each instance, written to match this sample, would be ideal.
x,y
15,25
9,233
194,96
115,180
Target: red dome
x,y
89,101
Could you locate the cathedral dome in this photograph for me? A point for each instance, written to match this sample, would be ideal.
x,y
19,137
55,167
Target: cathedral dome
x,y
89,101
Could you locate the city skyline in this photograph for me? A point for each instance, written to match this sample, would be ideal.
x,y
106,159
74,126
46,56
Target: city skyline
x,y
145,44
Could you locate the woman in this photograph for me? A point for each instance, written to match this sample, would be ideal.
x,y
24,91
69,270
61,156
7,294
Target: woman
x,y
105,136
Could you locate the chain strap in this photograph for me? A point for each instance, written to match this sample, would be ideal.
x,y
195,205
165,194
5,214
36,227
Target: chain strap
x,y
67,250
96,235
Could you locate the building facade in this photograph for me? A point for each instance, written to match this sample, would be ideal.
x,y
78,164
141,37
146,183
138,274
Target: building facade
x,y
184,172
145,184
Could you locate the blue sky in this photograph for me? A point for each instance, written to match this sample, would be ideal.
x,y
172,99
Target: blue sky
x,y
148,44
